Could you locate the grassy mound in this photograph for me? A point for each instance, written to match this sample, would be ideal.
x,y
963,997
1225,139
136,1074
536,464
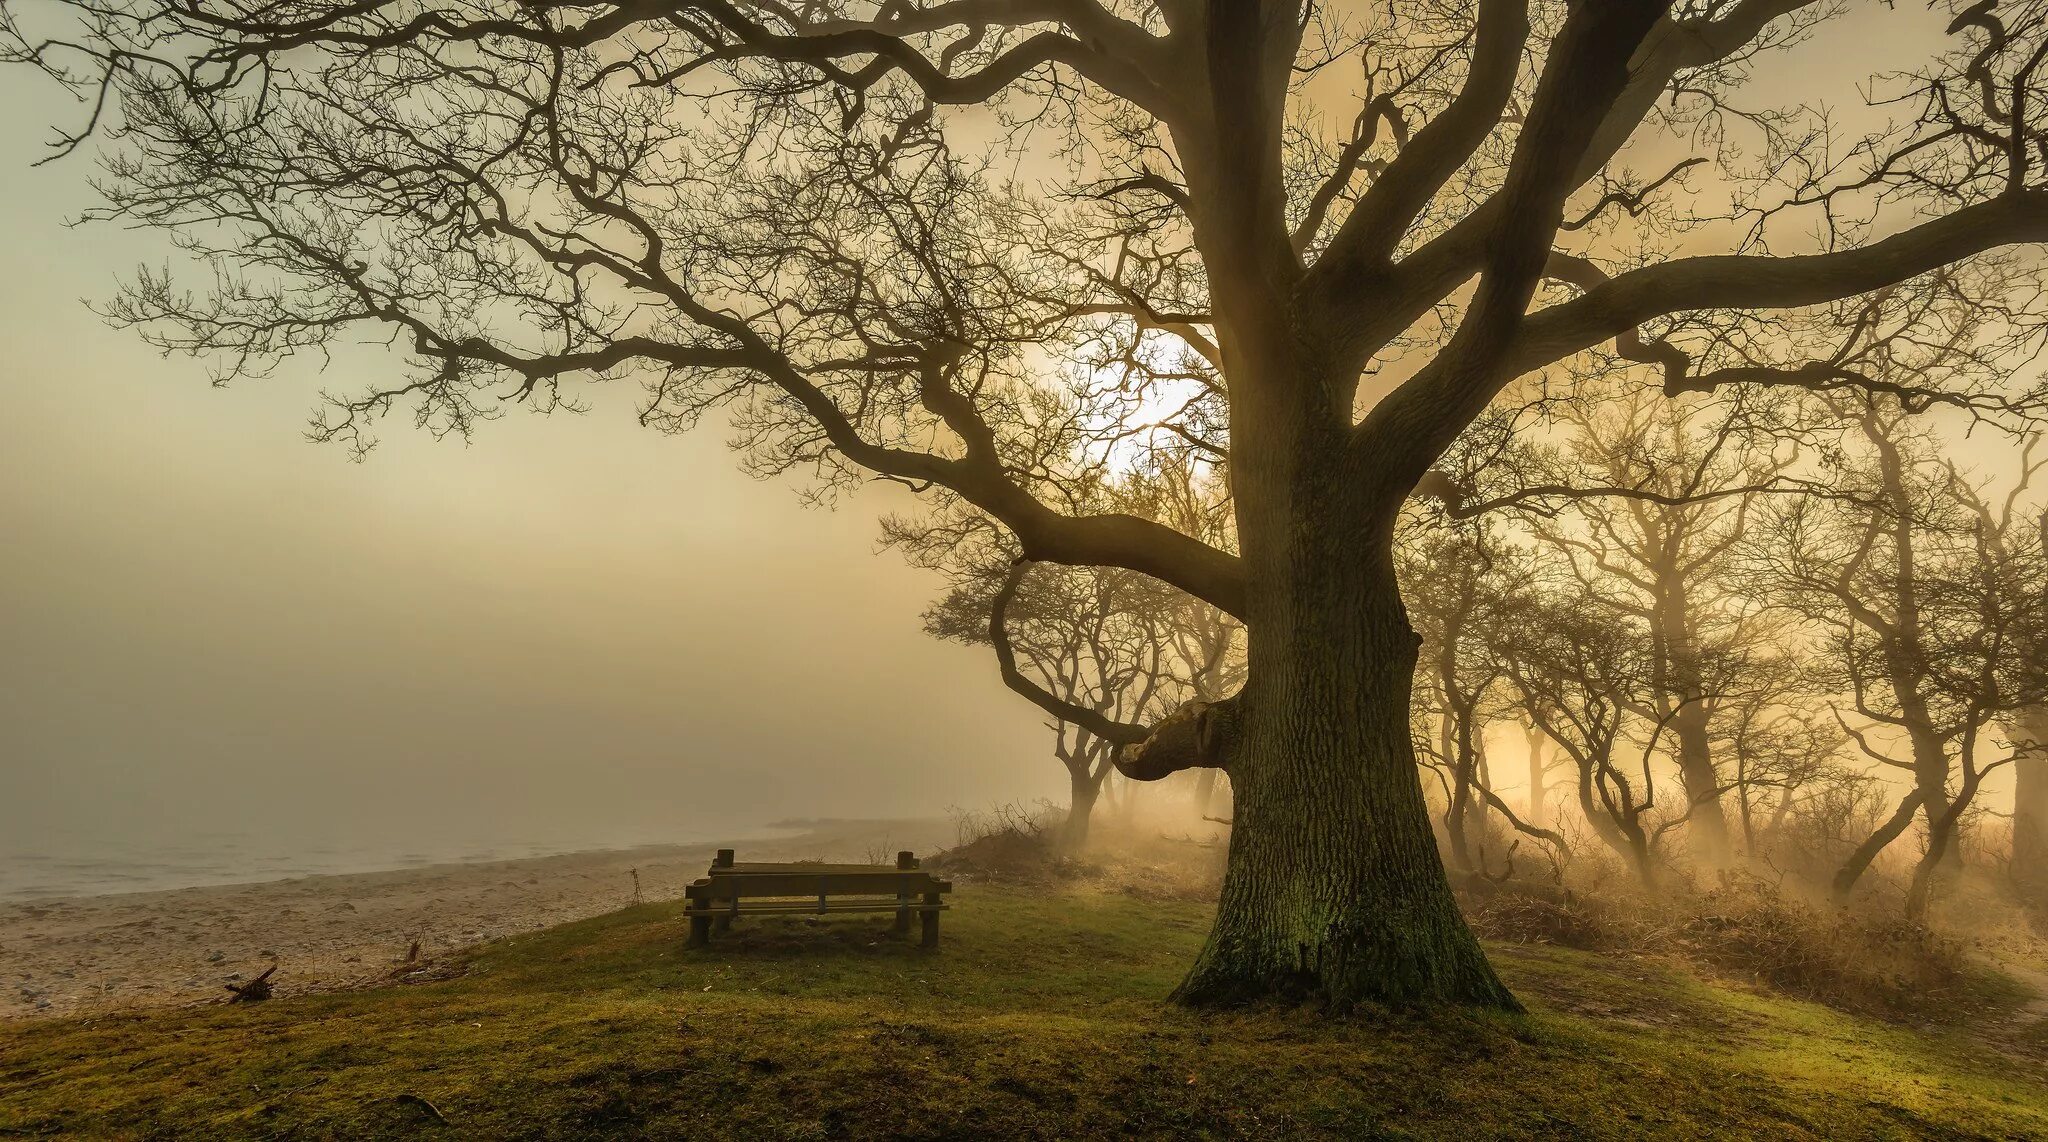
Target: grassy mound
x,y
1041,1017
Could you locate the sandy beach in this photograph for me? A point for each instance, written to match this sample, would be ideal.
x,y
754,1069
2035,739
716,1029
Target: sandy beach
x,y
84,954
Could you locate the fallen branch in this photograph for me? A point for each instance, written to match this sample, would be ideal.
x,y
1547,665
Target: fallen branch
x,y
256,990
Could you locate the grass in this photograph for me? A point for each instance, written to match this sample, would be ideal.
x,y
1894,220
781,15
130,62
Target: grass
x,y
1040,1017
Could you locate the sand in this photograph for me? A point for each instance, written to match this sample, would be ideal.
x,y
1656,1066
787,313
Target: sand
x,y
88,954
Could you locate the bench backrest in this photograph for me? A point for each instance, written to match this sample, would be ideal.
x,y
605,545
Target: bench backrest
x,y
736,884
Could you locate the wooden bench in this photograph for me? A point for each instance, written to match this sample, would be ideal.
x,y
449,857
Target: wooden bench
x,y
730,890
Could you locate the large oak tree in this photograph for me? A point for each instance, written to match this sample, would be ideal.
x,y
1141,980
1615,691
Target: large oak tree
x,y
879,237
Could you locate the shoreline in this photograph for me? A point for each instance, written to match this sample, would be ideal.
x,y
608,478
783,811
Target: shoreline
x,y
78,955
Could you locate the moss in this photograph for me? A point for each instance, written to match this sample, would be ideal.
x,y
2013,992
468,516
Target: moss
x,y
1040,1017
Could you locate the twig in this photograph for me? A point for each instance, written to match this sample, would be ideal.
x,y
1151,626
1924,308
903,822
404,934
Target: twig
x,y
305,1086
421,1100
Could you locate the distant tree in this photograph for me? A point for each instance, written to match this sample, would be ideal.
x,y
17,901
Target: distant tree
x,y
777,212
1098,639
2030,808
2028,732
1661,558
1781,749
1101,650
1463,587
1180,486
1587,681
1540,764
1923,595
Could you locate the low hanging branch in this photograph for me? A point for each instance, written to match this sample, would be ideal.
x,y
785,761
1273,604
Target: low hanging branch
x,y
1094,721
1196,735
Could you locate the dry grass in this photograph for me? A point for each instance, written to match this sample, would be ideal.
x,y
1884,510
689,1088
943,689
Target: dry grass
x,y
1865,958
1014,846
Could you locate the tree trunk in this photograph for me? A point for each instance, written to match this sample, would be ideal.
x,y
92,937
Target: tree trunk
x,y
1944,844
1457,753
1334,890
1677,669
1537,772
1930,777
1708,825
1859,860
1083,787
2030,810
1920,890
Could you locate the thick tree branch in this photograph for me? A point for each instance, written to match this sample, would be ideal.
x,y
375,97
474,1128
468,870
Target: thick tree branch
x,y
1368,237
1094,721
1735,281
1586,71
1375,301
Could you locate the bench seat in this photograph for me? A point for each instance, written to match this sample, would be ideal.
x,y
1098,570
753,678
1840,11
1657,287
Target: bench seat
x,y
802,907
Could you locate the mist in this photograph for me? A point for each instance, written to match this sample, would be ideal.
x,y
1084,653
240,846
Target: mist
x,y
572,632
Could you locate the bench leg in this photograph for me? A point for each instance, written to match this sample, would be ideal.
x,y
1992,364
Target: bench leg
x,y
929,922
700,928
902,927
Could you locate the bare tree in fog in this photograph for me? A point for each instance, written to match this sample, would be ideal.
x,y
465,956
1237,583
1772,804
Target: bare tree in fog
x,y
1661,562
1464,584
1102,650
2030,810
1177,487
1589,682
2027,730
778,213
1782,751
1074,639
1923,594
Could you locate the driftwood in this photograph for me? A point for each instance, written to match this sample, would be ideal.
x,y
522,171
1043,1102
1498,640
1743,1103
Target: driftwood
x,y
256,990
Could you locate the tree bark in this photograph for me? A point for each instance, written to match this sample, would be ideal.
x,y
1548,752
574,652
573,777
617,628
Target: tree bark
x,y
1709,821
1859,860
1334,891
1083,787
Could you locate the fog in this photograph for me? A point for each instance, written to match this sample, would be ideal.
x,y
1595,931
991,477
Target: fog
x,y
573,632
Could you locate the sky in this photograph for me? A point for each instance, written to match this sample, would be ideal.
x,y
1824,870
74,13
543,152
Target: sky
x,y
574,629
